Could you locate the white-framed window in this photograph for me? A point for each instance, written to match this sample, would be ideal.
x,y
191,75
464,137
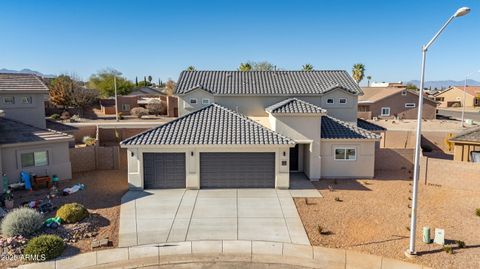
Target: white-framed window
x,y
345,154
330,101
26,100
9,100
205,101
125,107
404,93
410,105
342,100
385,111
193,101
33,159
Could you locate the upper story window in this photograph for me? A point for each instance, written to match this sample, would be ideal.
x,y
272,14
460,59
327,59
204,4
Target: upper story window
x,y
346,154
31,159
410,105
26,100
205,101
193,100
9,100
342,100
330,101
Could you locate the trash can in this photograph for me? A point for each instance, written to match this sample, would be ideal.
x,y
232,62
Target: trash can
x,y
426,235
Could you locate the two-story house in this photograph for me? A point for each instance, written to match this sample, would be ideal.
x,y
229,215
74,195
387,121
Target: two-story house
x,y
252,129
25,142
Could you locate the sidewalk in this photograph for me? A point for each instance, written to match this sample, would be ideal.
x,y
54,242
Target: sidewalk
x,y
239,253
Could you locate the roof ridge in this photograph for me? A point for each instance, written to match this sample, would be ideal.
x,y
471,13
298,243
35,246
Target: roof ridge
x,y
352,126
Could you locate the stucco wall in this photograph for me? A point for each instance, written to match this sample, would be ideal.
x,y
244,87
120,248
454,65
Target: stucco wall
x,y
184,106
455,95
33,114
461,151
58,160
362,167
192,163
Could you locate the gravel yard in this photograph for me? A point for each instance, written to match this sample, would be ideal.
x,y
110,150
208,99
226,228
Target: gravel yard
x,y
372,216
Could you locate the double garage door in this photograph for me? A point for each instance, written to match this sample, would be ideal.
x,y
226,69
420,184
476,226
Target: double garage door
x,y
217,170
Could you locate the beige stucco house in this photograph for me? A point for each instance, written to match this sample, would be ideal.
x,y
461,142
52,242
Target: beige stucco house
x,y
453,96
25,142
466,145
252,129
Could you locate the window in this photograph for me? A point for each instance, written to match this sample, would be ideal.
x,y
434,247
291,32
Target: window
x,y
330,101
385,111
410,105
26,99
349,154
342,100
193,100
9,100
440,99
125,107
404,93
205,101
38,158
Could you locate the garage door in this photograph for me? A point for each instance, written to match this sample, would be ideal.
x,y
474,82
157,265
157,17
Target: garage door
x,y
164,170
237,170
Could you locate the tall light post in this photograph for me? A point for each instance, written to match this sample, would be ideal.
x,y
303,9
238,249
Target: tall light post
x,y
413,224
465,97
116,96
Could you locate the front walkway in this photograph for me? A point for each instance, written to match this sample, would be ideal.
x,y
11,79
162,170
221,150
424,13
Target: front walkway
x,y
175,215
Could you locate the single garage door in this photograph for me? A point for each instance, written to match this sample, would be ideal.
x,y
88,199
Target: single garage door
x,y
164,170
237,170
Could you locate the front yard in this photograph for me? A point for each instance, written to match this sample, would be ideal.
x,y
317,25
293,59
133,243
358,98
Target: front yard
x,y
101,196
372,216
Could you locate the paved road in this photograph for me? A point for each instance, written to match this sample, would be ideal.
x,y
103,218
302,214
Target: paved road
x,y
458,114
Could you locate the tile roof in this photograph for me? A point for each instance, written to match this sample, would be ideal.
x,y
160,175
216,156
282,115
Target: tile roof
x,y
472,90
146,91
369,126
376,94
21,82
212,125
12,132
333,128
295,106
469,135
266,82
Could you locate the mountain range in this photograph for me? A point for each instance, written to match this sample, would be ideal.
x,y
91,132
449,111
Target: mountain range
x,y
443,84
26,71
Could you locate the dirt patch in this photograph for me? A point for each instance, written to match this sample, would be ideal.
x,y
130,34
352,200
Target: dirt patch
x,y
373,216
102,196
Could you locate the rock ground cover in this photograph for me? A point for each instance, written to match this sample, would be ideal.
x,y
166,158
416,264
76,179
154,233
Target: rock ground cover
x,y
372,216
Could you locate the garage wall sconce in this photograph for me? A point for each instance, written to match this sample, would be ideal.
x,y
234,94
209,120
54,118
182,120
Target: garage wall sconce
x,y
132,154
284,154
191,153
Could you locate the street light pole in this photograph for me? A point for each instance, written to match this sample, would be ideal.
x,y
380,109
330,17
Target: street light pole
x,y
465,97
116,96
413,224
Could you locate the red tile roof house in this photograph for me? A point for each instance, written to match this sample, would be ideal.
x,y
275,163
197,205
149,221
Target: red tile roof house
x,y
252,129
26,143
393,102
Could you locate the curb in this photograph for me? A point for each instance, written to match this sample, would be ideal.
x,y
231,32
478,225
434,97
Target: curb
x,y
223,251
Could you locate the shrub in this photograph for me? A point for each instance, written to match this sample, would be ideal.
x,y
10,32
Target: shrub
x,y
88,140
55,116
139,112
22,221
477,212
71,213
460,243
44,247
65,115
448,249
157,107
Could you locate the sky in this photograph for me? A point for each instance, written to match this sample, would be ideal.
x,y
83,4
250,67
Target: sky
x,y
161,38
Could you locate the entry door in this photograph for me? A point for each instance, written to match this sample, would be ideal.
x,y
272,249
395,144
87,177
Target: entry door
x,y
164,170
294,158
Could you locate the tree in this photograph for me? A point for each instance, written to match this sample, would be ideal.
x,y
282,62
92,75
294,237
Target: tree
x,y
169,87
411,86
307,67
262,66
136,81
150,79
67,92
245,67
368,80
358,72
157,107
103,82
139,112
191,68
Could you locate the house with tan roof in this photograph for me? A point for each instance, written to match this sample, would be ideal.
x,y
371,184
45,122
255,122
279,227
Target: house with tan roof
x,y
393,102
453,96
254,129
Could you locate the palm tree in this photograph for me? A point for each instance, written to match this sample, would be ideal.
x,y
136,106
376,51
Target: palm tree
x,y
245,67
191,68
358,72
307,67
368,80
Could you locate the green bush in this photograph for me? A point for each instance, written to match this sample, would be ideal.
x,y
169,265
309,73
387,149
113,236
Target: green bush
x,y
477,212
89,141
71,213
44,247
55,116
22,221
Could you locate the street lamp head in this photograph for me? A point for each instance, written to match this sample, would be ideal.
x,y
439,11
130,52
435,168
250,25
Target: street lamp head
x,y
462,12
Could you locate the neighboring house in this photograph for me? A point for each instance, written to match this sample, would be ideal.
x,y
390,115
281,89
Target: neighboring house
x,y
393,102
453,96
251,129
146,92
466,146
388,84
127,102
25,142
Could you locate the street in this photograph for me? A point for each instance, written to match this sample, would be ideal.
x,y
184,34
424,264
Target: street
x,y
457,114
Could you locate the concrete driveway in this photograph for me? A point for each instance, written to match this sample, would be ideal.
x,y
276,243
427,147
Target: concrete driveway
x,y
175,215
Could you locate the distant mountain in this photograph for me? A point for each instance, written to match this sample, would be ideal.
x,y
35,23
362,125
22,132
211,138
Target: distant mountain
x,y
26,71
443,84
